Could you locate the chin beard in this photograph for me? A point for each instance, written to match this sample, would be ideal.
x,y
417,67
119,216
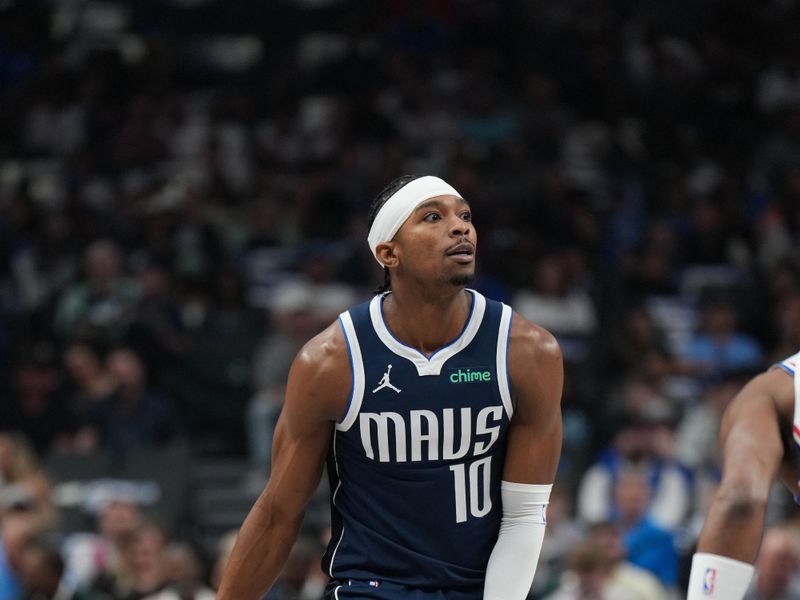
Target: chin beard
x,y
462,280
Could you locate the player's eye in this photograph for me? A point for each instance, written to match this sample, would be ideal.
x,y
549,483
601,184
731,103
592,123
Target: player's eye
x,y
432,217
466,216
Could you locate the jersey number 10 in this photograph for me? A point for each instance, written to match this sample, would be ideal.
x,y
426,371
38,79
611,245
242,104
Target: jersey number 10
x,y
477,478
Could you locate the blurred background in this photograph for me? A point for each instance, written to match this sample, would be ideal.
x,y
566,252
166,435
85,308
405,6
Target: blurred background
x,y
183,195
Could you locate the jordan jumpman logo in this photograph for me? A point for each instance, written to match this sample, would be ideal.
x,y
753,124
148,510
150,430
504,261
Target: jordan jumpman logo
x,y
385,383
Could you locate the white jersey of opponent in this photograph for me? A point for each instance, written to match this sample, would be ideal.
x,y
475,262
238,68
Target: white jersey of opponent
x,y
792,366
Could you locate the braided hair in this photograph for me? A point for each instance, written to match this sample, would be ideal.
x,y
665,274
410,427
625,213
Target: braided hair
x,y
376,205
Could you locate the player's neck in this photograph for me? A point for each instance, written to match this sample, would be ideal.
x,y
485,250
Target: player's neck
x,y
427,321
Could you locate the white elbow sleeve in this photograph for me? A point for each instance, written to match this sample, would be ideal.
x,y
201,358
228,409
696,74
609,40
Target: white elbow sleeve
x,y
512,563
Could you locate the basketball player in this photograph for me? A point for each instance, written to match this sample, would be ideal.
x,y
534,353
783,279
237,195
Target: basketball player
x,y
757,437
439,413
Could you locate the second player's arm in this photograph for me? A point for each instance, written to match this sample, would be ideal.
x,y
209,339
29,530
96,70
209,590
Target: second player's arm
x,y
316,393
753,449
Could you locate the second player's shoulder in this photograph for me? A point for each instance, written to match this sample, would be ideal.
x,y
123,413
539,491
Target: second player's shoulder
x,y
773,389
778,381
789,364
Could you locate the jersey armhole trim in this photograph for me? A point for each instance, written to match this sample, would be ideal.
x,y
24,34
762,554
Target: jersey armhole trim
x,y
356,370
784,367
333,501
795,431
503,378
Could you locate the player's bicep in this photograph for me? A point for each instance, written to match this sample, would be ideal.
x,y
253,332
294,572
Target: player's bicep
x,y
316,389
536,369
298,457
750,438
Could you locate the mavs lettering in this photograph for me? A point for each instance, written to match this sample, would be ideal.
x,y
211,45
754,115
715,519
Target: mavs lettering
x,y
429,436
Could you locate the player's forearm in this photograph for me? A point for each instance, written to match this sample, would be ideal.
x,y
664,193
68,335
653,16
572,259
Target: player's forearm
x,y
722,566
259,554
734,526
513,561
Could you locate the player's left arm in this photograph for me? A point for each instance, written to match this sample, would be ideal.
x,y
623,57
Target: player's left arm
x,y
536,372
536,369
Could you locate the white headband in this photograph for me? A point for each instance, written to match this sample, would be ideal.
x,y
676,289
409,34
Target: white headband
x,y
401,204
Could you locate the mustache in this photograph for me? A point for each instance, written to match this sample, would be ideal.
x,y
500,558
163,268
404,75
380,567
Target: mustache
x,y
464,244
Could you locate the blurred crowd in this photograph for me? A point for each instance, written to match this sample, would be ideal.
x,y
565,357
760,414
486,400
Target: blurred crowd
x,y
183,195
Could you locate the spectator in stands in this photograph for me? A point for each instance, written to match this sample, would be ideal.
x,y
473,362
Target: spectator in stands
x,y
648,545
41,573
17,458
36,406
636,581
17,529
24,486
720,345
266,253
157,330
87,373
588,576
712,234
560,305
651,269
185,575
146,560
636,336
89,385
645,392
638,447
95,560
135,414
99,305
42,267
776,575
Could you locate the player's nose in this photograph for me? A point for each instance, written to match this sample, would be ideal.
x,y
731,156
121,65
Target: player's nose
x,y
458,226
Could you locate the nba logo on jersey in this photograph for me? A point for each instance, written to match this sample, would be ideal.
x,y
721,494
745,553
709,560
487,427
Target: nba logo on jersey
x,y
709,578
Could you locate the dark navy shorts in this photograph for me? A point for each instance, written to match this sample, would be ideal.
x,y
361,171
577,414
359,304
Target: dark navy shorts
x,y
383,590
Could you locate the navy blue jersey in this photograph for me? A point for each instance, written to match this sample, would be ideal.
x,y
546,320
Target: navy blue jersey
x,y
416,462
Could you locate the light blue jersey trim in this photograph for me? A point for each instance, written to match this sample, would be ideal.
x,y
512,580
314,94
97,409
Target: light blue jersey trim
x,y
352,371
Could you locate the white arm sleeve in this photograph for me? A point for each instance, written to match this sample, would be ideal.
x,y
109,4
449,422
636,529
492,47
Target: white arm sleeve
x,y
512,563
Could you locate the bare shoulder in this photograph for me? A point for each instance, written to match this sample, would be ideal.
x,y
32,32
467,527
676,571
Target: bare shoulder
x,y
776,386
531,344
320,379
766,402
325,352
535,365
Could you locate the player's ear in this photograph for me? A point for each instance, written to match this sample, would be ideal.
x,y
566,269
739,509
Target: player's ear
x,y
386,254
